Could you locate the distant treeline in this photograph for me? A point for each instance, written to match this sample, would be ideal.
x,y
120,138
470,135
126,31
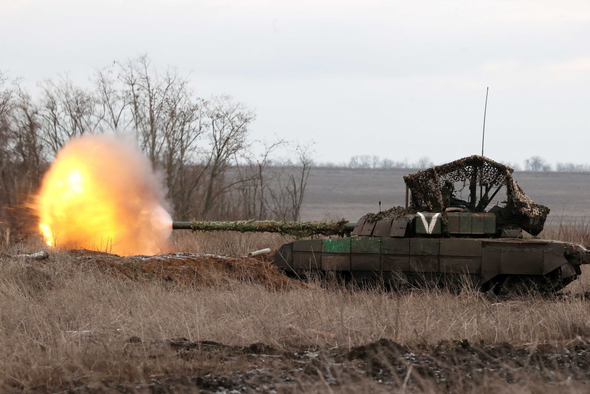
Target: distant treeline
x,y
535,163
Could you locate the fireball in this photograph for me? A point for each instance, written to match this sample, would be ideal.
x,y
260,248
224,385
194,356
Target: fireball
x,y
100,193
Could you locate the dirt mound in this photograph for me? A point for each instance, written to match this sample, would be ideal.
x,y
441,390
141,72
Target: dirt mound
x,y
190,268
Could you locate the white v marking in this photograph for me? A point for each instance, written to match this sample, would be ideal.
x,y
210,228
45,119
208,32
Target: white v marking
x,y
429,226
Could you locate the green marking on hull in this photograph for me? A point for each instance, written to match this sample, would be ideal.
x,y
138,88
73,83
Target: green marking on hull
x,y
336,245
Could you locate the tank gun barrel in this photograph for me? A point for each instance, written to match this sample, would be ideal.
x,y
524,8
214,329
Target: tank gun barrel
x,y
298,229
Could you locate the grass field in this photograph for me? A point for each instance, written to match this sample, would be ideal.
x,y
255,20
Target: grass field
x,y
100,323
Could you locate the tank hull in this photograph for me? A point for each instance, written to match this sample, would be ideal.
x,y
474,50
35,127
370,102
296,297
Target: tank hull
x,y
486,263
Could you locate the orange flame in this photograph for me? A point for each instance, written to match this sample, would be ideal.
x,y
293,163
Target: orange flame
x,y
101,193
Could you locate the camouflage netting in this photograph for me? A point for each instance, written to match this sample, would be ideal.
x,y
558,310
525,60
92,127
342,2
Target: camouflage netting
x,y
427,186
391,213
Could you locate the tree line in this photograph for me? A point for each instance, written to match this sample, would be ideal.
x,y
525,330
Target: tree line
x,y
535,164
202,146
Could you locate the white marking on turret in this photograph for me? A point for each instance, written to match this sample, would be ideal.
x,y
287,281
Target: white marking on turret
x,y
429,226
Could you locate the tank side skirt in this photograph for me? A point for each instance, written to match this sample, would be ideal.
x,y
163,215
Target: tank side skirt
x,y
481,259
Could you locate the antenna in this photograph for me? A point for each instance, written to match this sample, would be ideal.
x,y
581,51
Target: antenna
x,y
485,109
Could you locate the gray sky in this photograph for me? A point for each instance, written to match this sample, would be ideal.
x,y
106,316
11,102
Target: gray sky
x,y
399,79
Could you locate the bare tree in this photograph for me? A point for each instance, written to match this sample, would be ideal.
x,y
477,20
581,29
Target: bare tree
x,y
148,95
424,162
6,143
21,154
6,95
183,174
163,109
388,163
169,121
362,161
227,139
376,162
288,190
111,98
536,163
298,180
354,162
28,145
256,176
365,161
65,111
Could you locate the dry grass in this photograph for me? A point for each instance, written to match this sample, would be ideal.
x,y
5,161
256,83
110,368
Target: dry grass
x,y
578,231
64,324
226,243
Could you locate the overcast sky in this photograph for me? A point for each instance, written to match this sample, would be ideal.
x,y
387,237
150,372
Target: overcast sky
x,y
399,79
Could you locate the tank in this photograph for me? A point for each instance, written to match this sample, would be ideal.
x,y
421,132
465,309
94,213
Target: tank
x,y
464,222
